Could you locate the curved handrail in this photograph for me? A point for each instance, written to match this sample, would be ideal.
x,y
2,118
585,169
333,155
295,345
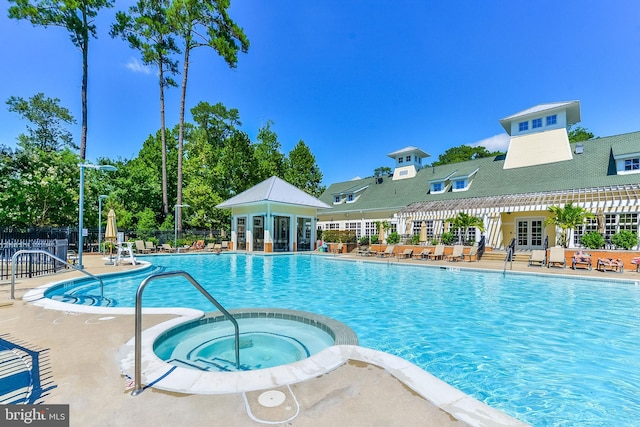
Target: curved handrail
x,y
138,322
40,251
510,255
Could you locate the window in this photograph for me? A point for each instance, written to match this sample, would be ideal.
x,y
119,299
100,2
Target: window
x,y
536,123
370,228
408,158
333,226
460,184
552,120
400,159
336,199
436,187
590,225
355,227
403,173
522,126
615,223
350,198
632,164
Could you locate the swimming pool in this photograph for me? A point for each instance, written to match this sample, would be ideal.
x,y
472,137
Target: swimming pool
x,y
546,350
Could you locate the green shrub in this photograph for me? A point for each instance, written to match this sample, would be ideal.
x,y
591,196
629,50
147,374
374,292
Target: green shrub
x,y
364,240
339,236
374,239
592,240
625,239
393,238
448,238
434,241
415,239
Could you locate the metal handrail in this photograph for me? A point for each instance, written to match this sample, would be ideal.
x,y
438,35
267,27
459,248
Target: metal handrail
x,y
40,251
138,337
510,250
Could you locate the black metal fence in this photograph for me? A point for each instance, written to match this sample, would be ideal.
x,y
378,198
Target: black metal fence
x,y
28,264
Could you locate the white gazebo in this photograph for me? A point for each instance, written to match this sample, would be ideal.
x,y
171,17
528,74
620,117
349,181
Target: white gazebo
x,y
273,216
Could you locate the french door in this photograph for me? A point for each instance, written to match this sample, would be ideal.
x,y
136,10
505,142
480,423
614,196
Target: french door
x,y
529,233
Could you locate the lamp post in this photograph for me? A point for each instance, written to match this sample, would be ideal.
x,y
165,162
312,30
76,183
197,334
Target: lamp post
x,y
175,237
100,197
81,203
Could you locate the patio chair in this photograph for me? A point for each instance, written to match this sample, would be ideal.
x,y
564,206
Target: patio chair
x,y
388,252
167,248
140,248
366,252
473,252
338,249
457,254
150,246
225,245
636,262
538,257
423,254
197,246
581,258
610,264
556,256
438,253
209,247
406,254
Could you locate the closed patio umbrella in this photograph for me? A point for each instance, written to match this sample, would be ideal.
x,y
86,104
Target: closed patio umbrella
x,y
111,233
423,232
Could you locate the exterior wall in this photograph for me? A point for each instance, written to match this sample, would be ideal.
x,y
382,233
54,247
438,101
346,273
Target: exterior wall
x,y
561,122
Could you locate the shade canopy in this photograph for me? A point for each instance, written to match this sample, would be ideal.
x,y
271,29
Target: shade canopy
x,y
112,229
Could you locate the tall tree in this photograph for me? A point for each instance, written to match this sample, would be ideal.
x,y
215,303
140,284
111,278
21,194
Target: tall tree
x,y
302,171
566,218
269,158
462,154
48,118
146,28
578,133
203,24
77,16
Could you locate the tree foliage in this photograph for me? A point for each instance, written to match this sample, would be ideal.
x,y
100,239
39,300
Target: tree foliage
x,y
462,154
567,218
77,17
578,133
302,171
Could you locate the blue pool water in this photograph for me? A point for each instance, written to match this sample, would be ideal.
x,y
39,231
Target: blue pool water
x,y
546,350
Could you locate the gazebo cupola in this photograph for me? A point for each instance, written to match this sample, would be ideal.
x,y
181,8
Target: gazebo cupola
x,y
408,162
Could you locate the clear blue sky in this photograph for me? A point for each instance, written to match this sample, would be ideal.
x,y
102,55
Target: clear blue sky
x,y
354,79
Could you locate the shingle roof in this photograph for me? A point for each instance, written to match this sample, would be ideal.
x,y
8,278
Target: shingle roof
x,y
273,189
588,170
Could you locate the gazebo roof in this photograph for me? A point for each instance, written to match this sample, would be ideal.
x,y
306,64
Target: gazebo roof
x,y
275,190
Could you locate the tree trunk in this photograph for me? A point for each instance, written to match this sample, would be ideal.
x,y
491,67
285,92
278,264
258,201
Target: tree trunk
x,y
183,99
85,74
165,196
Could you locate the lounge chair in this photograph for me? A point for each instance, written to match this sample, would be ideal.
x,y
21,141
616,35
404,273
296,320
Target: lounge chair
x,y
197,246
438,252
457,254
225,245
405,254
366,252
473,252
556,256
538,257
581,258
636,262
140,248
150,246
388,252
209,247
424,254
610,264
338,249
167,248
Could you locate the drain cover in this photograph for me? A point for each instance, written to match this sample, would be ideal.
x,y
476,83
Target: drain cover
x,y
271,398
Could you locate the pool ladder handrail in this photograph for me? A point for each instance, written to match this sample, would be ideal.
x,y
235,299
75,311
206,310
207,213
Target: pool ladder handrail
x,y
510,255
138,322
49,254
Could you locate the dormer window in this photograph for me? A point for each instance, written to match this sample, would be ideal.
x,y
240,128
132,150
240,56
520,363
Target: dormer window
x,y
536,123
408,158
632,165
459,184
552,120
437,187
400,159
522,126
337,199
350,198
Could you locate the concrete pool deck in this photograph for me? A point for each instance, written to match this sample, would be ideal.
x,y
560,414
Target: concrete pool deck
x,y
81,368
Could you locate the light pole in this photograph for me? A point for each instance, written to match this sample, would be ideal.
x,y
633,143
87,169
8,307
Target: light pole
x,y
175,237
100,197
81,203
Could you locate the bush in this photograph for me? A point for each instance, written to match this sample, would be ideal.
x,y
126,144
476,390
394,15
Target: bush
x,y
415,239
625,239
393,238
374,239
339,236
364,240
592,240
448,238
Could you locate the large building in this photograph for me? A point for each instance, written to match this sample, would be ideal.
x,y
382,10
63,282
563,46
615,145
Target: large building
x,y
511,193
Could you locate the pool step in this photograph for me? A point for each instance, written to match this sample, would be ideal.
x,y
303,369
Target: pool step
x,y
216,364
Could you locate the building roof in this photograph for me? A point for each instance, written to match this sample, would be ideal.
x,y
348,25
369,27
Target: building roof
x,y
572,107
276,190
591,169
409,150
